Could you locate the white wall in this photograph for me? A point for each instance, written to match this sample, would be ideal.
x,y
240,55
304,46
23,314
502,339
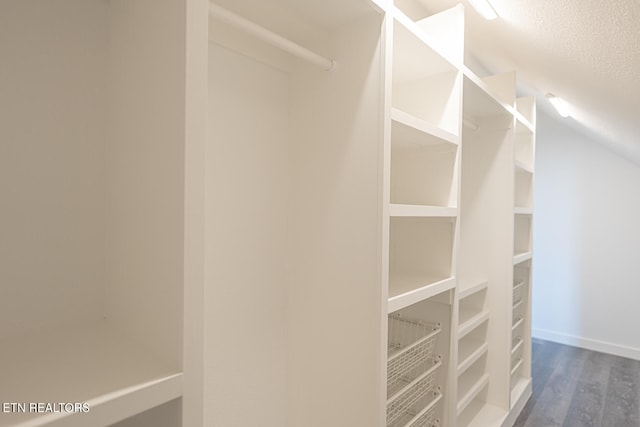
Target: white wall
x,y
586,243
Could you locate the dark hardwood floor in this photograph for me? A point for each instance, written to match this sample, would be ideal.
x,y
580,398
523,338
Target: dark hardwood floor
x,y
573,387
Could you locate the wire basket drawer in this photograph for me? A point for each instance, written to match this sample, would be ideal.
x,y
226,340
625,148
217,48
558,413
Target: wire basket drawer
x,y
415,406
411,350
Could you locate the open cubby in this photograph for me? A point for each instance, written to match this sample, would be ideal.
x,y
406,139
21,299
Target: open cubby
x,y
425,84
524,150
420,252
471,347
523,188
423,174
522,236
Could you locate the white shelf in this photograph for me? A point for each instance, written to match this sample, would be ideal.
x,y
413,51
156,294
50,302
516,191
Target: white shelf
x,y
481,414
517,366
472,323
515,347
470,353
517,304
397,210
405,291
522,257
409,130
468,290
523,211
518,321
519,386
471,386
91,364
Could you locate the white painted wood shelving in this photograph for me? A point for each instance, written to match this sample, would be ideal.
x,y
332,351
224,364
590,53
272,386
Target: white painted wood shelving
x,y
261,212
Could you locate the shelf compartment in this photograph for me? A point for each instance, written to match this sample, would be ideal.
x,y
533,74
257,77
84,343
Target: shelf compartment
x,y
481,414
524,152
522,234
420,257
519,385
516,345
471,355
93,364
471,304
523,189
470,385
516,364
410,348
446,28
408,404
424,174
425,84
471,324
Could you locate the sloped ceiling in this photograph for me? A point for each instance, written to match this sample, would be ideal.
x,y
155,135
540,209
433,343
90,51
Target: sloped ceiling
x,y
584,51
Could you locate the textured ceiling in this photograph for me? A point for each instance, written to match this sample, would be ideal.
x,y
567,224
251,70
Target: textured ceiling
x,y
585,51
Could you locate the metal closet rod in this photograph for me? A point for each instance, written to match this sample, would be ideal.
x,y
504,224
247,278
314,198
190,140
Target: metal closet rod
x,y
270,37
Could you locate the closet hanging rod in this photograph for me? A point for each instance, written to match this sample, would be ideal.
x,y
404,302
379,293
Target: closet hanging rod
x,y
270,37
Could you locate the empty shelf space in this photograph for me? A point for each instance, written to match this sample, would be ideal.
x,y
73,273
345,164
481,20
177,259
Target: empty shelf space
x,y
481,414
469,386
410,131
424,174
468,289
405,291
396,210
414,54
96,365
469,353
516,364
472,323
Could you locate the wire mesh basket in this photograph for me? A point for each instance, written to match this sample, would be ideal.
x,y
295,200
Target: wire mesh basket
x,y
411,350
416,405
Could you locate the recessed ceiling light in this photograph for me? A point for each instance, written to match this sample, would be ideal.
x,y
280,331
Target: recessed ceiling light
x,y
559,104
484,8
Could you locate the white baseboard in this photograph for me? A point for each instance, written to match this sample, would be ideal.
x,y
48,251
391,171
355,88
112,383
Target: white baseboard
x,y
589,344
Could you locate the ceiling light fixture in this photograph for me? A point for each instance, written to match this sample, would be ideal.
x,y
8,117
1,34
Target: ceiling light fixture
x,y
558,104
484,8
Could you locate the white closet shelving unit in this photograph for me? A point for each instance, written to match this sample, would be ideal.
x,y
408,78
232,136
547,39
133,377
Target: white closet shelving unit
x,y
244,212
91,265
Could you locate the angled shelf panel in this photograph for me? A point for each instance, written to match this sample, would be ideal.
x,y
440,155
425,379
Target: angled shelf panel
x,y
469,354
519,258
471,324
92,364
519,386
468,289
